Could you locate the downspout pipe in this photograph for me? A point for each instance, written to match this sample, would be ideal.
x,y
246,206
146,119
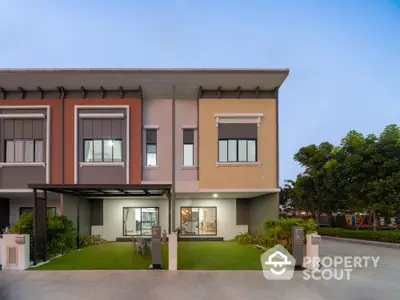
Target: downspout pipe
x,y
62,97
173,198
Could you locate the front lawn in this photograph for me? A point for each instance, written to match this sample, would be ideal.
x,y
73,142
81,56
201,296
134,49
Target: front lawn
x,y
218,256
109,256
191,256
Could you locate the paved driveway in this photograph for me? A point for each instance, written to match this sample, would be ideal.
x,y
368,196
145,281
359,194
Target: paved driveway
x,y
365,284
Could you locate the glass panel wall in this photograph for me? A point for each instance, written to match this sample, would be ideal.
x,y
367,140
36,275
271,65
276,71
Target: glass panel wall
x,y
139,220
199,220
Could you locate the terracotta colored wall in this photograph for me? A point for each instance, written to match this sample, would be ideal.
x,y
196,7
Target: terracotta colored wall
x,y
55,140
212,176
135,117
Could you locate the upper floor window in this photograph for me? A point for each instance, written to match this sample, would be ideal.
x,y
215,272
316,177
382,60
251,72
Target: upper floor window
x,y
26,150
102,150
151,147
237,142
188,147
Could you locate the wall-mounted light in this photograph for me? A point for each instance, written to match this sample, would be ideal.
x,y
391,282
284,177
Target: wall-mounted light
x,y
215,195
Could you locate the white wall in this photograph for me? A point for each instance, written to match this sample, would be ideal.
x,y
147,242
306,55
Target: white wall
x,y
27,201
113,214
226,215
70,211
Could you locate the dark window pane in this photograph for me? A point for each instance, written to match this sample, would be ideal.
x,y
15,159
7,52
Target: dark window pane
x,y
88,150
242,150
188,155
252,151
117,150
188,136
97,150
232,150
223,151
108,150
151,136
38,150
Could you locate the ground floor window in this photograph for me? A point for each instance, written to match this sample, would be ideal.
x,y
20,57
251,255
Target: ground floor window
x,y
199,220
139,220
51,211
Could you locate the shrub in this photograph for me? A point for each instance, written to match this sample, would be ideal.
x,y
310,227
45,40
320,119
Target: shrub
x,y
389,236
61,235
89,240
280,232
245,238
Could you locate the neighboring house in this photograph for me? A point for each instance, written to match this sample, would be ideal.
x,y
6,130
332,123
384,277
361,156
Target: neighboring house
x,y
120,150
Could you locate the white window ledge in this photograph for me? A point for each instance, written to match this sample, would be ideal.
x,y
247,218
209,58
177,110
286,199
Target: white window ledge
x,y
236,164
102,164
150,167
22,164
189,167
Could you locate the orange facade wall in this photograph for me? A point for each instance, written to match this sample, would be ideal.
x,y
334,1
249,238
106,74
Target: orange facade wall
x,y
55,133
239,176
135,131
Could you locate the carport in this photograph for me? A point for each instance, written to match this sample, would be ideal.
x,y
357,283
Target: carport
x,y
84,191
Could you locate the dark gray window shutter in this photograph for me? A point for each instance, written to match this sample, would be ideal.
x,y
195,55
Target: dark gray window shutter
x,y
151,136
237,131
188,136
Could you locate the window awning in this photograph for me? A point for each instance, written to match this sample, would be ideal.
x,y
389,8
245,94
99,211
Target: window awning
x,y
106,190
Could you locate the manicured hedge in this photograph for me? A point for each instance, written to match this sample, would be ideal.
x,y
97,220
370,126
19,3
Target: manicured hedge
x,y
389,236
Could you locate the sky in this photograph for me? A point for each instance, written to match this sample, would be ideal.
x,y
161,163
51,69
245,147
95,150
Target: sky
x,y
343,55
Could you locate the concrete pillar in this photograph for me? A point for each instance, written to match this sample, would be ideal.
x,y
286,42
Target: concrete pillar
x,y
172,252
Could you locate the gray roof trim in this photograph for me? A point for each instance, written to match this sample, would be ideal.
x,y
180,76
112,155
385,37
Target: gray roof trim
x,y
156,83
142,70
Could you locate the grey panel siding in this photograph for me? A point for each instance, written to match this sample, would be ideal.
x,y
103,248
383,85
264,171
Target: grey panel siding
x,y
4,213
96,212
102,129
19,177
102,175
261,208
237,131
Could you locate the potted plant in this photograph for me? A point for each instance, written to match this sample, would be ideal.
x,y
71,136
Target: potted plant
x,y
178,232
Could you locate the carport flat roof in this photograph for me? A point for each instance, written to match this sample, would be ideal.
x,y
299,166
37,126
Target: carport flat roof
x,y
105,190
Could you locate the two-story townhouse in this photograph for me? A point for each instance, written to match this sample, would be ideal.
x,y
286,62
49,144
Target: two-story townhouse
x,y
119,150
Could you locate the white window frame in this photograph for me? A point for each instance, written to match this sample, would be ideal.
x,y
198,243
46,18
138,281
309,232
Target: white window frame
x,y
47,116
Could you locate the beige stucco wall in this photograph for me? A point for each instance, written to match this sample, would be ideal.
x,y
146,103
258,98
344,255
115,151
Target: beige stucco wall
x,y
261,176
158,112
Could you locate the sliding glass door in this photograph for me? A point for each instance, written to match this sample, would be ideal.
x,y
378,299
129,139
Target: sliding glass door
x,y
199,220
139,220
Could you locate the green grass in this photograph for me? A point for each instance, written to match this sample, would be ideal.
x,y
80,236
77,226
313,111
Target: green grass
x,y
218,256
109,256
191,256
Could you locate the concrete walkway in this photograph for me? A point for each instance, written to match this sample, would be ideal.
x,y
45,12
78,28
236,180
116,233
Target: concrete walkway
x,y
365,284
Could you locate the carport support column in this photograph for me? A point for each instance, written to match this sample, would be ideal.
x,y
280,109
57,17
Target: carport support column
x,y
39,228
